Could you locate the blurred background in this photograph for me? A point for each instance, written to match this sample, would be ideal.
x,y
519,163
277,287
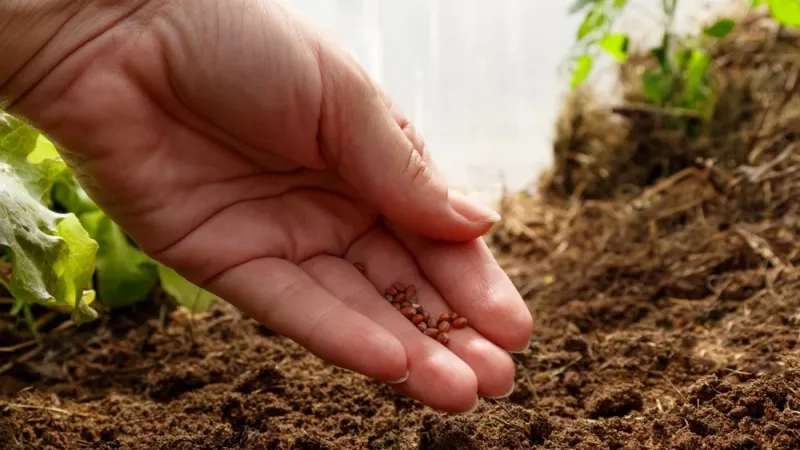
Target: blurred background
x,y
477,77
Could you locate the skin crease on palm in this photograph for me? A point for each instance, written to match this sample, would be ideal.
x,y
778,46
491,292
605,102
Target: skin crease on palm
x,y
240,146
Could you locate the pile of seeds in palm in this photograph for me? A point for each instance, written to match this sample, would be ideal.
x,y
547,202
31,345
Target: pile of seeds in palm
x,y
404,299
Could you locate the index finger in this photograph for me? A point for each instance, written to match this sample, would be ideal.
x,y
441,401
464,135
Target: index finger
x,y
470,280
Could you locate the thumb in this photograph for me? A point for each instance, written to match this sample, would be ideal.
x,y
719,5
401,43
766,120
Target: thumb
x,y
377,151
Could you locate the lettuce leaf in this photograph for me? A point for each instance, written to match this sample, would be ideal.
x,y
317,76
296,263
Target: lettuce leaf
x,y
185,292
52,255
55,256
125,275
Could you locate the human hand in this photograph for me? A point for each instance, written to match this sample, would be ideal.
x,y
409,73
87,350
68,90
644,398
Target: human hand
x,y
235,144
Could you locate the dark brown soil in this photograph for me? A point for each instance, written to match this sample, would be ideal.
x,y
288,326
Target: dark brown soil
x,y
659,326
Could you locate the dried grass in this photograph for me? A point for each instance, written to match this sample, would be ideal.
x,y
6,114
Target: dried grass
x,y
634,212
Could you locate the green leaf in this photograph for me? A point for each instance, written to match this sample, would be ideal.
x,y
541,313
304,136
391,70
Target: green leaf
x,y
74,270
787,12
697,67
52,256
68,194
696,78
616,45
583,66
720,28
619,4
593,21
656,86
18,143
757,3
124,274
183,291
660,54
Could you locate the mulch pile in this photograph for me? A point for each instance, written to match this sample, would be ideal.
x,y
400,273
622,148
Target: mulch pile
x,y
661,272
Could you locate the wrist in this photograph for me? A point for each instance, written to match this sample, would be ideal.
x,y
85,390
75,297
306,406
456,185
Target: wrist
x,y
38,35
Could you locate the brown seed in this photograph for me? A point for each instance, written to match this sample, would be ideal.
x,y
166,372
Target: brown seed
x,y
443,338
432,332
444,326
408,312
432,322
399,286
461,322
453,316
426,315
411,297
444,317
397,306
411,289
360,267
418,319
389,297
400,297
422,327
404,304
391,291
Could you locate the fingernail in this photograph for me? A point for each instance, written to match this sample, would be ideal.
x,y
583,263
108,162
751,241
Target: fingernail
x,y
470,209
510,391
522,350
473,408
401,379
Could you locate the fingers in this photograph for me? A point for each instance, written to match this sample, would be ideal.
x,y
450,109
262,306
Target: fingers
x,y
437,377
386,261
282,296
364,142
474,284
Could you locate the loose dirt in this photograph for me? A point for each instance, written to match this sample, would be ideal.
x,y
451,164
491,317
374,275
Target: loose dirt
x,y
666,299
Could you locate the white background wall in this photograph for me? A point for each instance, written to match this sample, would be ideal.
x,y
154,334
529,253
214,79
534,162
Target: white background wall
x,y
479,78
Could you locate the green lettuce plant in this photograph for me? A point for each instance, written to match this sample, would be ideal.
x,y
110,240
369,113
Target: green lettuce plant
x,y
63,249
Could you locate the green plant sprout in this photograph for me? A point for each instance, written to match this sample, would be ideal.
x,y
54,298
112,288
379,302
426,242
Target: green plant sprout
x,y
64,250
680,81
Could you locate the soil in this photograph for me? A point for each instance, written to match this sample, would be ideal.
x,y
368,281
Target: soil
x,y
658,326
667,316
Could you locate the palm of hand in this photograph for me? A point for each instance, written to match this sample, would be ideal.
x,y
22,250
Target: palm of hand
x,y
268,206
